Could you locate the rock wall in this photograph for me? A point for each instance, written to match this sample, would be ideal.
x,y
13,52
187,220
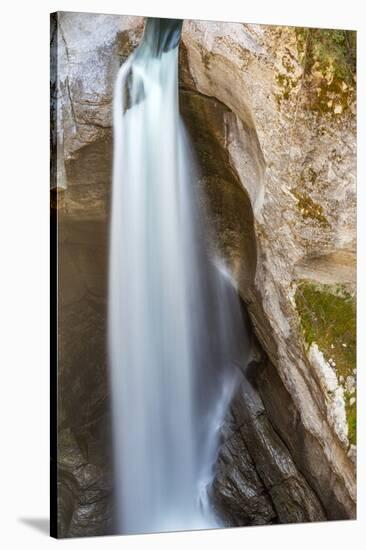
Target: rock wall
x,y
300,178
274,134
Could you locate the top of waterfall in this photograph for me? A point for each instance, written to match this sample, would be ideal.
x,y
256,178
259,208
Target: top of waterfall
x,y
161,35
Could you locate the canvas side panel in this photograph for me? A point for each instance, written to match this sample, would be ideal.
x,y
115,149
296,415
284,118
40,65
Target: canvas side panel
x,y
54,110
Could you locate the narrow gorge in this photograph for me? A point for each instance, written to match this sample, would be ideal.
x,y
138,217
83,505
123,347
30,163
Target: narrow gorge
x,y
270,112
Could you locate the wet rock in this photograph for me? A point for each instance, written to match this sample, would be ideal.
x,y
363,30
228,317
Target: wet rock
x,y
306,451
84,491
257,481
238,493
273,459
67,501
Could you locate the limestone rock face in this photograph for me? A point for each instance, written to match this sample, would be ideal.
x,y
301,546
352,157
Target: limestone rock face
x,y
90,50
297,166
275,143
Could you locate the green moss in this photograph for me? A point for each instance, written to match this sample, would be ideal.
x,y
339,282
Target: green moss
x,y
352,422
287,63
301,40
309,208
329,47
329,62
328,317
287,83
329,97
336,48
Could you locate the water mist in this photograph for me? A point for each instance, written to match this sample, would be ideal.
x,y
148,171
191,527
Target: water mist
x,y
175,326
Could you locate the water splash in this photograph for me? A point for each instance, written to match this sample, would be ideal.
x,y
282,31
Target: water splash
x,y
175,326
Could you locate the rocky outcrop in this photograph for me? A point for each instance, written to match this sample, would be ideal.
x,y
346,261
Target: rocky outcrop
x,y
258,481
300,178
273,129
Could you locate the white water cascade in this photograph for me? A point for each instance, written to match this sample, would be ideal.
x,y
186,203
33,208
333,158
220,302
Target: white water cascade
x,y
175,325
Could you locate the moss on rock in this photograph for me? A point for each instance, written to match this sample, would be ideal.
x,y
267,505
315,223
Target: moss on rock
x,y
310,209
329,60
287,83
328,317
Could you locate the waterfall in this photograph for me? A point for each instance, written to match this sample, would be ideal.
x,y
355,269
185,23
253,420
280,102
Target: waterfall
x,y
175,325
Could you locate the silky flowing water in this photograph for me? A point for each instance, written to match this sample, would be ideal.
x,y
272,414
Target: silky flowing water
x,y
175,325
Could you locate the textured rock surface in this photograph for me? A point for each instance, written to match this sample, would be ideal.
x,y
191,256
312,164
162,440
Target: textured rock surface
x,y
279,176
84,457
267,486
306,153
